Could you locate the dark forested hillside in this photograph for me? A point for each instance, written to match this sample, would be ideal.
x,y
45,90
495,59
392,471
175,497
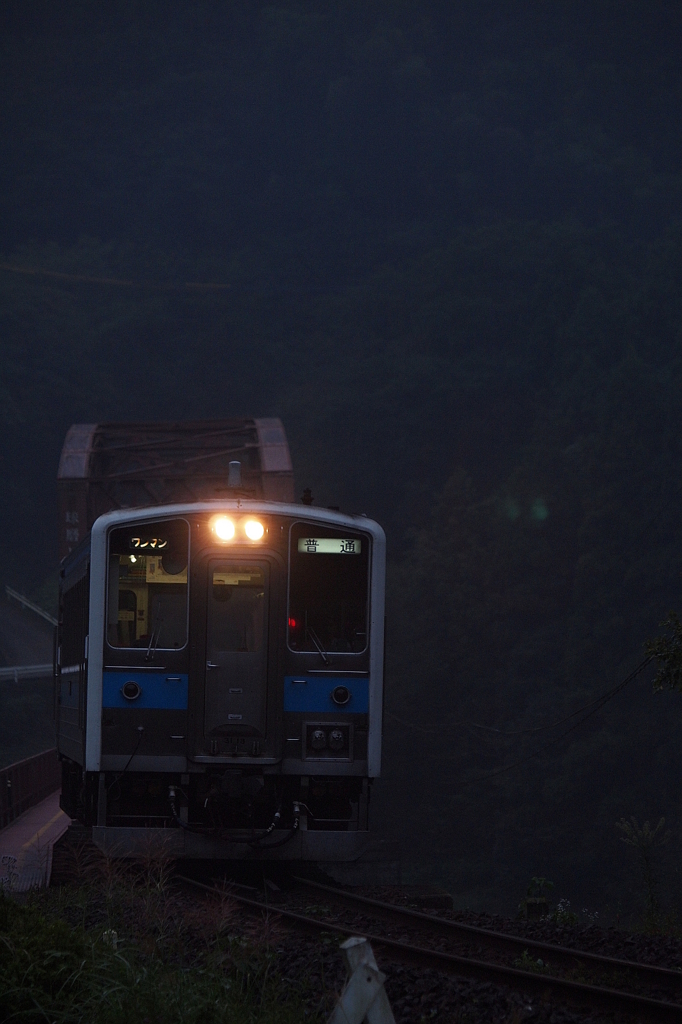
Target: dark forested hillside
x,y
451,235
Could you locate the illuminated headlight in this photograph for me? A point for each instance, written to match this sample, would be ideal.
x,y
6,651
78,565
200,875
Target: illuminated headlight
x,y
222,527
253,529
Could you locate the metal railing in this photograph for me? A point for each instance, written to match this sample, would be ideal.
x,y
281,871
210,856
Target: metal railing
x,y
25,783
17,672
26,603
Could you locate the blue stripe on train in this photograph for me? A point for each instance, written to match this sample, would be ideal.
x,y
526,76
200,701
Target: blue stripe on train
x,y
314,693
159,689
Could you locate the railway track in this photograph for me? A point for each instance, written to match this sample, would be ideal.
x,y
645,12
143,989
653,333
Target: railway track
x,y
547,987
552,955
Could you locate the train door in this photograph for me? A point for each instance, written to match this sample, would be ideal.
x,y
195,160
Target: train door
x,y
238,630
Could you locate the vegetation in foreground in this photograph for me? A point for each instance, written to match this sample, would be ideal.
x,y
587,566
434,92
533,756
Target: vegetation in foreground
x,y
124,948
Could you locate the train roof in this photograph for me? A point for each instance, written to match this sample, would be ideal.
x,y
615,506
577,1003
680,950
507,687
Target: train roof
x,y
300,512
306,513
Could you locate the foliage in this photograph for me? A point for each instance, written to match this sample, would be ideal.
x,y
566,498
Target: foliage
x,y
667,650
52,970
535,902
528,963
644,840
536,899
539,888
562,913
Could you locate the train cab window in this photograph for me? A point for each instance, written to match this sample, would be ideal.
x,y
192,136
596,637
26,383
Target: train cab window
x,y
238,608
147,586
328,589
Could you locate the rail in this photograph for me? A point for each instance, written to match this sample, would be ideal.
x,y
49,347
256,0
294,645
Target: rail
x,y
25,783
484,938
542,986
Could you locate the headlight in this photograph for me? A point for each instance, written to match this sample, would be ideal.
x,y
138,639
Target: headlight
x,y
253,529
222,527
336,739
318,740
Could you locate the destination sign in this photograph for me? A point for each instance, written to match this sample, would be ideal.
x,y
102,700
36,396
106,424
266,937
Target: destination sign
x,y
329,545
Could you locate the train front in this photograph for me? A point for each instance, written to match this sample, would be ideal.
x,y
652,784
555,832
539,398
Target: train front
x,y
234,681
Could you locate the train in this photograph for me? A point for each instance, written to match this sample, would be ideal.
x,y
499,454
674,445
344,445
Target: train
x,y
219,659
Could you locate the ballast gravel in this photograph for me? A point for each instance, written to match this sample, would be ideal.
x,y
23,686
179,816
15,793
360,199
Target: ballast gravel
x,y
418,995
315,968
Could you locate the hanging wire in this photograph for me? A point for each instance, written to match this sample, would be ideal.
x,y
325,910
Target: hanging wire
x,y
182,286
596,705
591,709
560,721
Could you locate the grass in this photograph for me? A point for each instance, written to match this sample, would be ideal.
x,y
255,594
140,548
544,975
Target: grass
x,y
122,948
529,963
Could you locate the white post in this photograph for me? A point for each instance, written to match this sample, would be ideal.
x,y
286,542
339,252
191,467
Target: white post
x,y
364,998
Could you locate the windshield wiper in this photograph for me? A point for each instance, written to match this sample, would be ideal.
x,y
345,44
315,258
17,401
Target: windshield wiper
x,y
153,639
320,649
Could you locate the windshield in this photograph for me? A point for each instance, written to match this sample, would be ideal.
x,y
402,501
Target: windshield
x,y
328,587
237,612
147,589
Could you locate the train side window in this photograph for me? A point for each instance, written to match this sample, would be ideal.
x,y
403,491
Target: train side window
x,y
147,586
328,589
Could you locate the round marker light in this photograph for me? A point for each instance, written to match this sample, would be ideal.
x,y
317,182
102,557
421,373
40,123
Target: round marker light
x,y
336,739
253,529
223,528
318,739
131,690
